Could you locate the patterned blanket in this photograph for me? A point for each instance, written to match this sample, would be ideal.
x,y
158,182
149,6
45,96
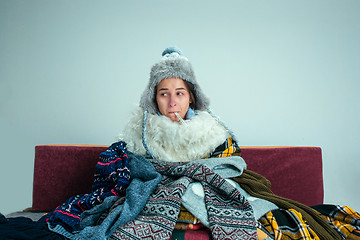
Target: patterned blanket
x,y
230,214
111,178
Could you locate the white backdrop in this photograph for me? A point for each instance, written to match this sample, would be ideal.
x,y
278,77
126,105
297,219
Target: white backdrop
x,y
277,72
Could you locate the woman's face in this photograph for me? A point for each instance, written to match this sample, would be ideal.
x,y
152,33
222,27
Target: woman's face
x,y
172,95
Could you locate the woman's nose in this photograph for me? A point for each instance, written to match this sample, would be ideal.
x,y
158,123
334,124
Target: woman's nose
x,y
172,102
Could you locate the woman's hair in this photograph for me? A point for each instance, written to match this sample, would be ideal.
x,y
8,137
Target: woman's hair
x,y
191,90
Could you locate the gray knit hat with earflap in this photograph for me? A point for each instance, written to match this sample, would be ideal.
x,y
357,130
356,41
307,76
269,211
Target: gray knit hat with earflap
x,y
172,65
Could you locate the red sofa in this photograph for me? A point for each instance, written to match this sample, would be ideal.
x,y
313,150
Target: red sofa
x,y
62,171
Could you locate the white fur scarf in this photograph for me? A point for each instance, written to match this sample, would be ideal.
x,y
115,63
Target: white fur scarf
x,y
173,142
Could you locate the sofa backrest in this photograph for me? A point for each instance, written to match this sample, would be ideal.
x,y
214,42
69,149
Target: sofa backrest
x,y
62,171
294,172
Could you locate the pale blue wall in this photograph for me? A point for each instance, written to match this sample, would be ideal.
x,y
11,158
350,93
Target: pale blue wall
x,y
277,72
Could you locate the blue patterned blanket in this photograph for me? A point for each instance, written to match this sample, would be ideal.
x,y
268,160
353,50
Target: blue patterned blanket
x,y
111,178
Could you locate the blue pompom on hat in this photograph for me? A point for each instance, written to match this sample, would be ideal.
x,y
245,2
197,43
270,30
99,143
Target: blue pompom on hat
x,y
170,50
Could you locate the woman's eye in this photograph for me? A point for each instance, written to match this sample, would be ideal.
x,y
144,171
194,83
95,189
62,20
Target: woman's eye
x,y
180,93
164,94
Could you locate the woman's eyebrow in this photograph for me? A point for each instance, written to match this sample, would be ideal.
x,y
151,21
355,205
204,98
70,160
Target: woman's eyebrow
x,y
165,89
180,88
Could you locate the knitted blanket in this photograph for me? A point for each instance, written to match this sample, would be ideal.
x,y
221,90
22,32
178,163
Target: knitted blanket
x,y
230,214
111,178
150,208
100,221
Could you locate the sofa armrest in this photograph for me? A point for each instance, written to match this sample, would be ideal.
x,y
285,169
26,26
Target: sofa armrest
x,y
62,171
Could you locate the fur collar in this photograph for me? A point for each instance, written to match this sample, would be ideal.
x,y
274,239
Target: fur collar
x,y
173,142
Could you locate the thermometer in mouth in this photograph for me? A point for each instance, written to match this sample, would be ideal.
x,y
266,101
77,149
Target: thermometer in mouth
x,y
180,118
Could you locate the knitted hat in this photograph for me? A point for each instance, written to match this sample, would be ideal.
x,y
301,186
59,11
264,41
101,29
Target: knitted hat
x,y
172,65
